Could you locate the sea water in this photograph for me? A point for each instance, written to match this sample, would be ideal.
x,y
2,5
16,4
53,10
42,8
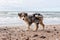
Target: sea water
x,y
11,17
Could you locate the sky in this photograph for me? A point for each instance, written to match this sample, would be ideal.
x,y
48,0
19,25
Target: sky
x,y
29,5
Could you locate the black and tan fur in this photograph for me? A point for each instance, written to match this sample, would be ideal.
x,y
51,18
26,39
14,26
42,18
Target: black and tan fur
x,y
36,18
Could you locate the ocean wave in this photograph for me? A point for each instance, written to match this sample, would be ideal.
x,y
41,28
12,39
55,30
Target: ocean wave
x,y
16,20
54,20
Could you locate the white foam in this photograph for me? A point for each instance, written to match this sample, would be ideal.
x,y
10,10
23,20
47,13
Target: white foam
x,y
17,21
54,20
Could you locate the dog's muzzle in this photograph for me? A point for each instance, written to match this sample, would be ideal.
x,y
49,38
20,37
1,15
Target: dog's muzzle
x,y
23,19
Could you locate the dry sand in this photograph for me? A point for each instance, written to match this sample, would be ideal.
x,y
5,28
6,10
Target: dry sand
x,y
51,32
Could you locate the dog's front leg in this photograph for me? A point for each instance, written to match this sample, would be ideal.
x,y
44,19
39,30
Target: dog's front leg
x,y
28,27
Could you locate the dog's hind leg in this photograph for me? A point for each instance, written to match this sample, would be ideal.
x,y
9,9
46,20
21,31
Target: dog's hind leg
x,y
42,24
36,26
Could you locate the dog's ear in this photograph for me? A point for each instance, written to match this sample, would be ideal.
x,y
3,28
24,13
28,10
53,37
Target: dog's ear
x,y
34,14
19,14
26,14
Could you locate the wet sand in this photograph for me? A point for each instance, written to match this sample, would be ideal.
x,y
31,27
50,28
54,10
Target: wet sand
x,y
51,32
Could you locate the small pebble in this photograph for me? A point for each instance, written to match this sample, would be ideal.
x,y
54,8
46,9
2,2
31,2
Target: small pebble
x,y
48,31
4,29
43,37
57,32
35,35
27,38
54,27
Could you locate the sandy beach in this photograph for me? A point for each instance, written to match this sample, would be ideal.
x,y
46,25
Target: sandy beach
x,y
51,32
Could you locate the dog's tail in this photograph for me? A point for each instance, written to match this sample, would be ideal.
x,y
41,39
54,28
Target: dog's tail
x,y
38,15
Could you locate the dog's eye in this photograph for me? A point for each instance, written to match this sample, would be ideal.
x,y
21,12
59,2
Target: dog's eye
x,y
24,16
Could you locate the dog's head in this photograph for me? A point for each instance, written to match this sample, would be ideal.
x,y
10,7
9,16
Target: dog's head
x,y
22,15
